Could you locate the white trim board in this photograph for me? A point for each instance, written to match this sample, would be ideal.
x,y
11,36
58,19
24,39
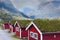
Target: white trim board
x,y
20,33
17,23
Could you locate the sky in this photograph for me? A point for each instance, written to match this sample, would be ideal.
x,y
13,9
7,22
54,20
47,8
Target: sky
x,y
38,8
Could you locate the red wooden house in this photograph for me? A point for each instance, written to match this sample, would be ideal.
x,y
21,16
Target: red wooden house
x,y
19,27
5,25
34,33
12,29
20,32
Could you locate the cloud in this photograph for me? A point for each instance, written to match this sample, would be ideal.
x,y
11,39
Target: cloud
x,y
38,8
20,4
28,11
50,9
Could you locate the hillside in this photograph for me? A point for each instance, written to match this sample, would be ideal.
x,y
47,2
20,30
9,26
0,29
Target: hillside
x,y
7,5
6,15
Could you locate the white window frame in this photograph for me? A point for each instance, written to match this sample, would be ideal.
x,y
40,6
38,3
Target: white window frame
x,y
36,35
33,35
17,28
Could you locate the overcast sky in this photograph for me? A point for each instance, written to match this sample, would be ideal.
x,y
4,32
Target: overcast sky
x,y
38,8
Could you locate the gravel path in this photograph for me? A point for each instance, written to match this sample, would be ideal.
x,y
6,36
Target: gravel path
x,y
4,35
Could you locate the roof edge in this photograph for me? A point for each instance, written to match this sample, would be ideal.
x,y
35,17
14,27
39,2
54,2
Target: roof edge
x,y
34,26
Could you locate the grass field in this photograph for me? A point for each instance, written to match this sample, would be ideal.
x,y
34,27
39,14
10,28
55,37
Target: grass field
x,y
16,38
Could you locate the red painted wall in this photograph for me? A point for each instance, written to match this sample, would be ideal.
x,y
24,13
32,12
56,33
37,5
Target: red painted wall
x,y
18,33
16,25
32,29
51,36
13,29
24,33
6,26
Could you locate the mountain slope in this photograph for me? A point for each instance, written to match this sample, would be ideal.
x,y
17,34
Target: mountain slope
x,y
6,4
6,15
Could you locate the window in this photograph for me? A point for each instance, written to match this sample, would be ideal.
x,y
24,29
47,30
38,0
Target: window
x,y
34,35
31,34
17,28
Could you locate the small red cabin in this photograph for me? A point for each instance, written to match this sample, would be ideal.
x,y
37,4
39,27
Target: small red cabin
x,y
35,34
12,28
20,32
6,26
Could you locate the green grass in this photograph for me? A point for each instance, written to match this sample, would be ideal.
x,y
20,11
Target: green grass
x,y
0,25
48,25
15,37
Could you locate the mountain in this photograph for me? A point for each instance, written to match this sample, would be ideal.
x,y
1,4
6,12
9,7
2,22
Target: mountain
x,y
6,15
7,5
49,9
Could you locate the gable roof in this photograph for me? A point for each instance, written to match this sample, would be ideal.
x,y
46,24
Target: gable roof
x,y
16,23
48,25
32,23
43,25
22,23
